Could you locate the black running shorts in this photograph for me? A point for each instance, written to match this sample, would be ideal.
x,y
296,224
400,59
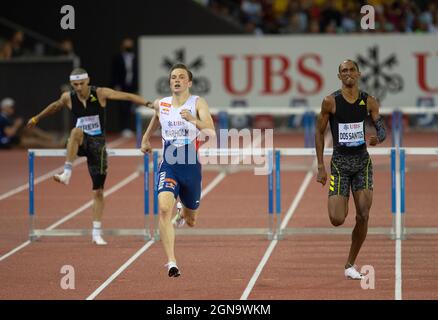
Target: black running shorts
x,y
353,171
94,149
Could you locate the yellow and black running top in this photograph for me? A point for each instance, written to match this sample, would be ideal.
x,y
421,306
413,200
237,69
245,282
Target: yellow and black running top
x,y
347,124
91,117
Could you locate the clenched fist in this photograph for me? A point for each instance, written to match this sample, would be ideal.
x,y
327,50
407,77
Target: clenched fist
x,y
322,175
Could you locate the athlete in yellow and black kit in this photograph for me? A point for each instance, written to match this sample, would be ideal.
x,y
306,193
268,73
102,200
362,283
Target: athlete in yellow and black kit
x,y
351,166
87,138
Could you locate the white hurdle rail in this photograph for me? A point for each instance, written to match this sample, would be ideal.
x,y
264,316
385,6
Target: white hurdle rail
x,y
36,233
398,156
148,229
394,232
274,230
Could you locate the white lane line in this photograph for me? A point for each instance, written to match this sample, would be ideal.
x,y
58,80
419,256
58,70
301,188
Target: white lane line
x,y
290,212
76,212
286,220
120,270
258,270
213,184
10,253
115,188
398,269
107,282
274,242
50,174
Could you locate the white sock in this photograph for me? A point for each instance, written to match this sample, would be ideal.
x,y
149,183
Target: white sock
x,y
68,167
97,228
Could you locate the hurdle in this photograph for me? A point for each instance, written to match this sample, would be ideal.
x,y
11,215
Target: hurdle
x,y
152,231
274,229
393,232
268,232
398,231
51,232
404,153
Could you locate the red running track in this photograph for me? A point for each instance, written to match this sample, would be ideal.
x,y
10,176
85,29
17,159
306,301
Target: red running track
x,y
213,267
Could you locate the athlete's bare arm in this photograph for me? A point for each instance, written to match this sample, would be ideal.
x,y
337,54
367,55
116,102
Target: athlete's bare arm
x,y
154,124
373,108
63,101
327,107
110,94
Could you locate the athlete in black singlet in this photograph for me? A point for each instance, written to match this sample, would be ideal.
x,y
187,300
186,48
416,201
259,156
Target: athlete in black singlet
x,y
87,139
351,165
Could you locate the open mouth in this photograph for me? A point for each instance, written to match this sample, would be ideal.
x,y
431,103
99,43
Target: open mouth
x,y
177,86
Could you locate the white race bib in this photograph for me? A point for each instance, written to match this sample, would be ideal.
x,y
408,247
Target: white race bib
x,y
179,137
351,134
90,125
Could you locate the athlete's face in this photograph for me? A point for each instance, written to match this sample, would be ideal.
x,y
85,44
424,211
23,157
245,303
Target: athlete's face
x,y
179,81
8,110
80,86
348,74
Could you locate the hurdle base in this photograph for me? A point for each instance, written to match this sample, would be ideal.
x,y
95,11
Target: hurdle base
x,y
88,232
146,234
222,232
271,231
393,235
32,237
278,235
332,231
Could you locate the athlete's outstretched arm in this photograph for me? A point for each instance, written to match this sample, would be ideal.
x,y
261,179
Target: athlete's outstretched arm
x,y
373,107
110,94
52,108
152,127
321,125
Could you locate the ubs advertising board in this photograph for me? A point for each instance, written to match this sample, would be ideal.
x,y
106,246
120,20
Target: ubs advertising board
x,y
270,71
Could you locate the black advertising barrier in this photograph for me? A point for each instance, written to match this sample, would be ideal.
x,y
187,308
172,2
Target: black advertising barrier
x,y
34,83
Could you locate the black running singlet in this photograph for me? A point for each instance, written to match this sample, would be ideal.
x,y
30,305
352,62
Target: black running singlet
x,y
91,119
347,124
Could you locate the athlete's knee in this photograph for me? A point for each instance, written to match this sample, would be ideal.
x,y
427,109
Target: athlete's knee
x,y
337,220
98,194
338,209
190,220
337,217
362,218
190,217
165,210
363,210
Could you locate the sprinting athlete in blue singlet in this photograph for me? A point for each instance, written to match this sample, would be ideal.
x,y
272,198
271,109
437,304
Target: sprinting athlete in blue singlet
x,y
181,116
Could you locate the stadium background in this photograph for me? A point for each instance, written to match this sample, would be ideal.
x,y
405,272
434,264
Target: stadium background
x,y
37,76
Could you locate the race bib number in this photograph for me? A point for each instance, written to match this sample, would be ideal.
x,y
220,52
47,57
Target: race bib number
x,y
90,125
351,134
180,137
